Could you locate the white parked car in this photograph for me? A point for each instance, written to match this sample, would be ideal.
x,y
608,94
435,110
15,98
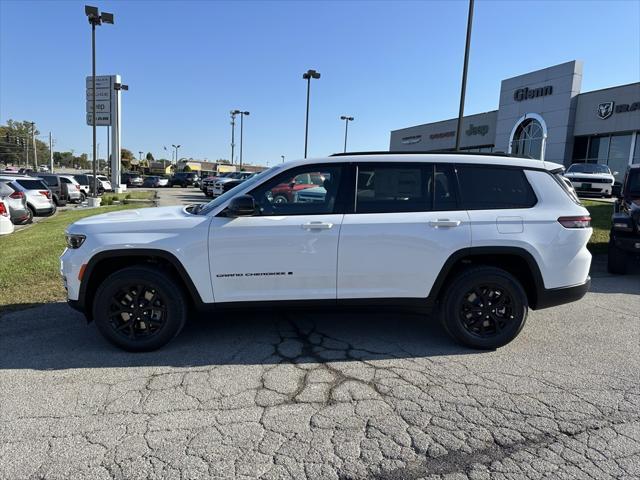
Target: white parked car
x,y
39,198
478,238
6,225
591,178
103,183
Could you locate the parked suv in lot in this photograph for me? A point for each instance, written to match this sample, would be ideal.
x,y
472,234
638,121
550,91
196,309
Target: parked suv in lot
x,y
184,179
479,238
624,239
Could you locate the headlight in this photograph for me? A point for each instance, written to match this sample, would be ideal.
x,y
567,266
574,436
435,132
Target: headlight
x,y
75,240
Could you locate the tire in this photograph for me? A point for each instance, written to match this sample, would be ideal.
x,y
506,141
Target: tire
x,y
461,304
83,197
280,199
617,259
29,218
32,210
132,337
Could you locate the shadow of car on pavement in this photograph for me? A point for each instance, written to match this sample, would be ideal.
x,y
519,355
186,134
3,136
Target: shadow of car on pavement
x,y
53,336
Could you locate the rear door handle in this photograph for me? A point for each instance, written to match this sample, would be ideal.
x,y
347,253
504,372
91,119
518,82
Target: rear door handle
x,y
317,225
444,222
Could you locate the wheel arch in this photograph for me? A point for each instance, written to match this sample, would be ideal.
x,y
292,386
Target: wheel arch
x,y
515,260
104,263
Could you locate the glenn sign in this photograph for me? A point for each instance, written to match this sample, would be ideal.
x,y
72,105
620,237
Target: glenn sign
x,y
529,93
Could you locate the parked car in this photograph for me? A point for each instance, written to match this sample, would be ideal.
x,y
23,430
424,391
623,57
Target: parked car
x,y
131,179
84,182
37,193
104,185
285,192
624,238
392,229
233,183
591,178
184,179
74,188
16,201
6,226
210,180
218,186
155,182
59,190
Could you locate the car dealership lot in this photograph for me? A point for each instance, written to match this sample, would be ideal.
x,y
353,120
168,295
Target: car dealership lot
x,y
326,394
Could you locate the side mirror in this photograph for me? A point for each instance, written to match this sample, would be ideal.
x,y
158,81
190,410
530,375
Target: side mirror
x,y
242,206
616,190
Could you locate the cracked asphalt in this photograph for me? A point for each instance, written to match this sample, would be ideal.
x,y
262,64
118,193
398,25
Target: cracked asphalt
x,y
322,394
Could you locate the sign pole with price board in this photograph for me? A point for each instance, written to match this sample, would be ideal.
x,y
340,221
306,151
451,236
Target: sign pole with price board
x,y
105,98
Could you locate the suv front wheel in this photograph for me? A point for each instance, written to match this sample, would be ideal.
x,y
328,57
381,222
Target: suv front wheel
x,y
484,307
139,309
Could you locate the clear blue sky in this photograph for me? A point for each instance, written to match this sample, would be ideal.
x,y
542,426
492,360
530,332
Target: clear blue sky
x,y
389,64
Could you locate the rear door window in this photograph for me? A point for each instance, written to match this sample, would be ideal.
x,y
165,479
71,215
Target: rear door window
x,y
494,187
383,188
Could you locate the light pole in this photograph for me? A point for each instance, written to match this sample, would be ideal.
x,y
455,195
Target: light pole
x,y
233,133
346,129
282,157
463,88
242,114
308,75
95,18
35,150
176,147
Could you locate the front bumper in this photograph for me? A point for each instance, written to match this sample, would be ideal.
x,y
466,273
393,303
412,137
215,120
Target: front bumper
x,y
593,187
551,297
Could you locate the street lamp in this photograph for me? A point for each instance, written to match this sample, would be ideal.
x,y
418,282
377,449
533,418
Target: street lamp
x,y
95,18
463,87
346,129
308,75
176,147
282,157
233,133
242,114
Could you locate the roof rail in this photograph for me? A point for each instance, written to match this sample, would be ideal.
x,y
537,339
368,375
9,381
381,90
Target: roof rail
x,y
432,152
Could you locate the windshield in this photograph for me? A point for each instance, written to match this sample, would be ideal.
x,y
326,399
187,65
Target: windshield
x,y
231,193
588,168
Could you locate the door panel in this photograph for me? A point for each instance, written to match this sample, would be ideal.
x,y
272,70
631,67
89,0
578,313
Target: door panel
x,y
274,257
385,255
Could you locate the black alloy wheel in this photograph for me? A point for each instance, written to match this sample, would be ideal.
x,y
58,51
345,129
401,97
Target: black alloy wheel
x,y
137,311
484,307
139,308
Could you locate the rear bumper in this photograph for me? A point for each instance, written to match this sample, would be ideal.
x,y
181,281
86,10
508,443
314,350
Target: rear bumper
x,y
628,244
551,297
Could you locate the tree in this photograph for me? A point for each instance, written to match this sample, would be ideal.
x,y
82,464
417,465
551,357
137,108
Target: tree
x,y
149,157
16,138
126,154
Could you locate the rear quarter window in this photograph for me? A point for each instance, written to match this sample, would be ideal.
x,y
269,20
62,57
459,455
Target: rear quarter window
x,y
486,188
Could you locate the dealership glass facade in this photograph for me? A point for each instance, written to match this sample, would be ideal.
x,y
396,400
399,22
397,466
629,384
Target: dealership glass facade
x,y
613,150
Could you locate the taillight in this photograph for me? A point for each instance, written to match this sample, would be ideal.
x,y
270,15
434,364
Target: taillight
x,y
16,195
46,193
3,210
575,222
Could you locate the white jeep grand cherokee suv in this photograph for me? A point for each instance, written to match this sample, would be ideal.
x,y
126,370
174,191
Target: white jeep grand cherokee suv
x,y
481,238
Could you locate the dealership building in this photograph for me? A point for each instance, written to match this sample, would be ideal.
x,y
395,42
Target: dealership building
x,y
544,115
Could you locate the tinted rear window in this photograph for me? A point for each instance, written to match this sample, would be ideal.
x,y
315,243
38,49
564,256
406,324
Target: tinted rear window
x,y
82,179
483,188
50,180
32,184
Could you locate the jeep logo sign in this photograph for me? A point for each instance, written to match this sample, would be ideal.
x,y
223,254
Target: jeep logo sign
x,y
479,130
529,93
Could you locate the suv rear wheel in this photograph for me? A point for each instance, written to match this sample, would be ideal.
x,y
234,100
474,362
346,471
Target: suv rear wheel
x,y
139,309
484,307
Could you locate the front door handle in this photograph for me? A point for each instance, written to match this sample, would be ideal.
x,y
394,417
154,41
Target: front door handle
x,y
444,222
317,226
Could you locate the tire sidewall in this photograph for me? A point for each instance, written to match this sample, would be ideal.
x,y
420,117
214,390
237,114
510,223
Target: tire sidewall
x,y
462,285
170,292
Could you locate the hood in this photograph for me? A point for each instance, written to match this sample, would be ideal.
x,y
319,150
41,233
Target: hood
x,y
159,214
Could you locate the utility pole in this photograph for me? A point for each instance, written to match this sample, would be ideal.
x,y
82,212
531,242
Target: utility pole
x,y
463,88
26,152
50,153
35,150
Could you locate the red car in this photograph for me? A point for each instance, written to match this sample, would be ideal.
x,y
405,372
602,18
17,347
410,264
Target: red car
x,y
284,192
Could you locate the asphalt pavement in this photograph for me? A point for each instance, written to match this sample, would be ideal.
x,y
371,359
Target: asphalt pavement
x,y
326,394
